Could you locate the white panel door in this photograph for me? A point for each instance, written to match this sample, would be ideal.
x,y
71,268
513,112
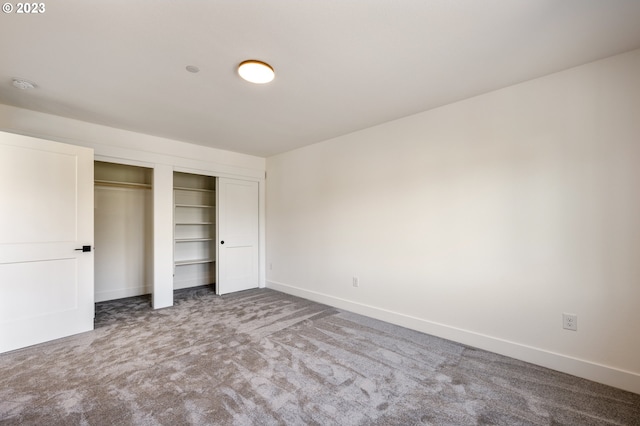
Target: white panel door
x,y
237,235
46,213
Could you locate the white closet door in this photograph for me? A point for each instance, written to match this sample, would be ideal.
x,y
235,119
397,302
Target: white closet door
x,y
237,236
46,213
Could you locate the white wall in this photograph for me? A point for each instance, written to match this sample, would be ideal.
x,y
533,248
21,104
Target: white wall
x,y
481,221
163,155
123,235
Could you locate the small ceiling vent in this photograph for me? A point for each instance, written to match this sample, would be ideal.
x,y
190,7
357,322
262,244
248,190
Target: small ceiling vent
x,y
23,84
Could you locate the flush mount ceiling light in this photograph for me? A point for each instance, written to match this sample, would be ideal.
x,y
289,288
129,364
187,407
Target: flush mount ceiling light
x,y
192,68
23,84
256,71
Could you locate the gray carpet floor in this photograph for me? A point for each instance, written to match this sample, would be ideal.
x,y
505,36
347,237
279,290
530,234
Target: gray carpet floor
x,y
261,357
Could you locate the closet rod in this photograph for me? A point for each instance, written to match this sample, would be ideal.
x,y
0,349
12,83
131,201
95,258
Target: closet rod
x,y
99,182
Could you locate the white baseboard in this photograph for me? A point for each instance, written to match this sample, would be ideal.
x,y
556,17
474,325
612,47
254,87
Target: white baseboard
x,y
195,282
611,376
120,293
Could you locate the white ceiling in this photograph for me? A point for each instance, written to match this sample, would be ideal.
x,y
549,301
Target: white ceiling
x,y
340,65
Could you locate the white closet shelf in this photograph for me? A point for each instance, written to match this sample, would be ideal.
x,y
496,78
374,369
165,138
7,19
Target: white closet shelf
x,y
193,262
194,199
198,206
101,182
184,188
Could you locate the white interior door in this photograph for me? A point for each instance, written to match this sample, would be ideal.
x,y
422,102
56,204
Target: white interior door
x,y
46,214
237,235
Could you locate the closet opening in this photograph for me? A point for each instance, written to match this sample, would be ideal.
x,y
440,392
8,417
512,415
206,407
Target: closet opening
x,y
194,231
123,231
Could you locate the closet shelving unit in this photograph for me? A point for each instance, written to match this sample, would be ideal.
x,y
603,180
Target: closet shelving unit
x,y
194,230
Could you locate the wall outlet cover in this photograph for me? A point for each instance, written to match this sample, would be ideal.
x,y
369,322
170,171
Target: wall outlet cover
x,y
570,322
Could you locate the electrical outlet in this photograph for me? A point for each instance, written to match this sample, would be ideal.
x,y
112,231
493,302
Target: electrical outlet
x,y
356,282
570,322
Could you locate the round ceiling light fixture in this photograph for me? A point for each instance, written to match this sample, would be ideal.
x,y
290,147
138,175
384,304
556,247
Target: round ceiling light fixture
x,y
23,84
257,72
